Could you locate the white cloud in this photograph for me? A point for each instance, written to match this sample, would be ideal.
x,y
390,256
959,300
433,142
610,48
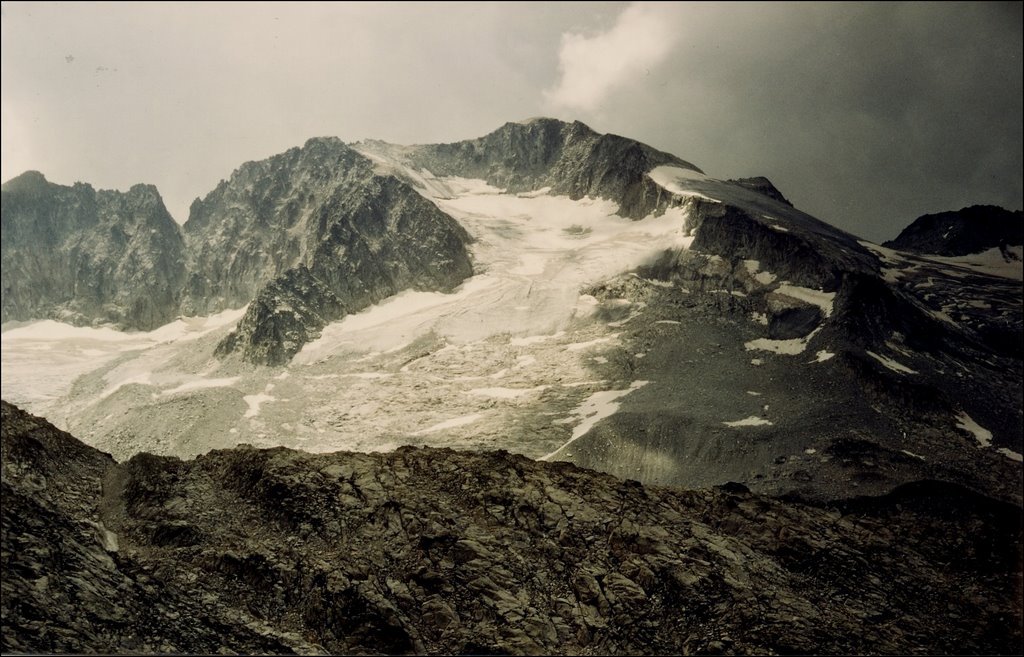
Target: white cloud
x,y
591,67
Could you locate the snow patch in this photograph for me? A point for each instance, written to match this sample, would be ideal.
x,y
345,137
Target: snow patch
x,y
762,277
752,421
991,262
255,401
790,347
981,434
893,365
595,408
669,178
1010,454
822,356
820,298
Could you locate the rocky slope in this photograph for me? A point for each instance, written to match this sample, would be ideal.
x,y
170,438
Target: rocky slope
x,y
862,368
308,236
434,551
569,159
961,232
83,256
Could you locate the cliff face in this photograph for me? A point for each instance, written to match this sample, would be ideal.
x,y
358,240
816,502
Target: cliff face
x,y
310,235
306,236
82,256
962,232
435,551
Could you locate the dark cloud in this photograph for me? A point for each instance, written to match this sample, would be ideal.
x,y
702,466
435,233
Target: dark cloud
x,y
866,115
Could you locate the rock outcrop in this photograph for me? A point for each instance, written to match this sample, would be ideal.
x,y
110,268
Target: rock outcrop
x,y
761,185
83,256
569,158
308,236
961,232
856,354
432,551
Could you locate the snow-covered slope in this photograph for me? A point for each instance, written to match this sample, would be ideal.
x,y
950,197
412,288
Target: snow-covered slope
x,y
515,332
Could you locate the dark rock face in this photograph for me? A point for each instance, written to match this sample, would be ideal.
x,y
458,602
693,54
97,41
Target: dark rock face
x,y
307,236
435,551
961,232
287,313
761,185
909,348
313,234
81,255
570,158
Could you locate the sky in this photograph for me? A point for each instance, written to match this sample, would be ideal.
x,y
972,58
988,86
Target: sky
x,y
866,115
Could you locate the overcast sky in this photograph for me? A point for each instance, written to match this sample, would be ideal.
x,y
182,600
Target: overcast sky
x,y
865,115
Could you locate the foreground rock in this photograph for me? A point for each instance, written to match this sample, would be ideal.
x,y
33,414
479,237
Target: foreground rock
x,y
435,551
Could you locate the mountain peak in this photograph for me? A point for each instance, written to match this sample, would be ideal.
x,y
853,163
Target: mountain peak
x,y
762,185
969,230
30,180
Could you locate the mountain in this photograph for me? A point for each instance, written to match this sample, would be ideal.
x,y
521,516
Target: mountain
x,y
871,368
424,551
568,296
84,256
306,236
971,230
569,158
412,389
309,236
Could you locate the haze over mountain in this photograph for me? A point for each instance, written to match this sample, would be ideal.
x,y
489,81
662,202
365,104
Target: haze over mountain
x,y
546,290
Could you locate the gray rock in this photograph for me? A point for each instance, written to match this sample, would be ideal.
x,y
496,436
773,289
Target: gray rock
x,y
84,256
641,570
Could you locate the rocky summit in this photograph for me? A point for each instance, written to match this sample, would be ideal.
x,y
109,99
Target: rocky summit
x,y
436,551
310,236
544,391
84,256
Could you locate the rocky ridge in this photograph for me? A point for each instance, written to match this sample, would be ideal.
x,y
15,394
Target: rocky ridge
x,y
84,256
432,551
359,233
961,232
309,236
568,159
882,325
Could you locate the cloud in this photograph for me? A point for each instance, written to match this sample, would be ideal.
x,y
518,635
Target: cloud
x,y
592,67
